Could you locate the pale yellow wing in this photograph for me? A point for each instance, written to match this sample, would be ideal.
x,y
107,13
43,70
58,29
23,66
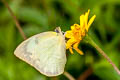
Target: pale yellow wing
x,y
45,52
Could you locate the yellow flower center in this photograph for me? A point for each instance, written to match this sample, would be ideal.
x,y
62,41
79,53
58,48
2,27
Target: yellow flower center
x,y
77,32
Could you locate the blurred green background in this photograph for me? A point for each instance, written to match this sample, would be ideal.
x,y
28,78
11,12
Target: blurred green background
x,y
44,15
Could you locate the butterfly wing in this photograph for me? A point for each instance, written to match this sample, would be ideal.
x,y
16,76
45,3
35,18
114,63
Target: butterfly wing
x,y
45,52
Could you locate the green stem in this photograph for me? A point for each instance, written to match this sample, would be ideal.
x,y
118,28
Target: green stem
x,y
90,41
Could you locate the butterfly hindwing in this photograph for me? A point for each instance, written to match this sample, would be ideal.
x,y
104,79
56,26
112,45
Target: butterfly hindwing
x,y
45,52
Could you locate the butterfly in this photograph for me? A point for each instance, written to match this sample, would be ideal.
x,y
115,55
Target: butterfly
x,y
45,52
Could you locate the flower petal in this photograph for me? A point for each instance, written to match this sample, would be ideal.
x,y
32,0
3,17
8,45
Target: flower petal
x,y
75,46
90,22
77,26
72,27
71,51
82,22
69,34
86,17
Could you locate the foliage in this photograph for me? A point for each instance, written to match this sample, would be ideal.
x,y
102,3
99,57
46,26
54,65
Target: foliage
x,y
43,15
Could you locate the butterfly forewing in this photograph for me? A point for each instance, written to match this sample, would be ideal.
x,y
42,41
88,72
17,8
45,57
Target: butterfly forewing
x,y
45,52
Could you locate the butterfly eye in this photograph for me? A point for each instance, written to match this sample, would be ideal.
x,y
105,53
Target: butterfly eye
x,y
57,31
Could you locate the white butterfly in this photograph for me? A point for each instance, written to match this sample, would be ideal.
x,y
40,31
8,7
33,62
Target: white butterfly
x,y
45,52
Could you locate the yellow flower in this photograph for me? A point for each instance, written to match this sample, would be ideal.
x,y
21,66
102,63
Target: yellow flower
x,y
77,32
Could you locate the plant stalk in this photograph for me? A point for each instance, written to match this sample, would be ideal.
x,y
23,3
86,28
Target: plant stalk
x,y
90,41
69,76
15,19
